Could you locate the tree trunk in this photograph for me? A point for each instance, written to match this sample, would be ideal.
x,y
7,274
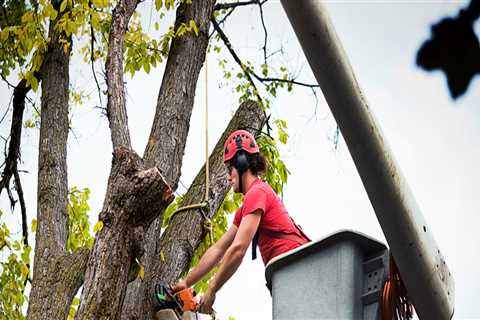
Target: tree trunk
x,y
185,231
56,274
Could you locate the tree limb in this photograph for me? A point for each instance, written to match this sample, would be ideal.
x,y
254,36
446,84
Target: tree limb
x,y
19,94
92,60
231,5
116,108
235,57
265,33
166,143
187,226
23,209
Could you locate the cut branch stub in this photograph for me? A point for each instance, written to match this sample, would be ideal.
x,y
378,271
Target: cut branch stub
x,y
135,196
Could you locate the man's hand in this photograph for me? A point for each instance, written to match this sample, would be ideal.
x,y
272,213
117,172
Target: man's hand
x,y
181,285
206,302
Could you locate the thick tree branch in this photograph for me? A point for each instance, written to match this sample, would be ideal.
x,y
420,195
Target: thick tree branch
x,y
248,72
116,107
19,94
167,139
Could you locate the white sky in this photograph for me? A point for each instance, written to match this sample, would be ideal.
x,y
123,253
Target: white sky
x,y
434,139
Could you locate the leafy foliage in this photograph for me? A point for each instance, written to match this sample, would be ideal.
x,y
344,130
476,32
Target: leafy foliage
x,y
78,225
14,274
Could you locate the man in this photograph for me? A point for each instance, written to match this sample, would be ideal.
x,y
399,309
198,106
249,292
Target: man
x,y
262,218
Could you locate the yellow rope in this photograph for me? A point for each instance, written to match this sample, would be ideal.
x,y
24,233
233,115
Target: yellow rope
x,y
208,222
206,131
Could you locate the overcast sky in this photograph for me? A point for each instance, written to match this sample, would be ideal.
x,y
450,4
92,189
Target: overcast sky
x,y
434,139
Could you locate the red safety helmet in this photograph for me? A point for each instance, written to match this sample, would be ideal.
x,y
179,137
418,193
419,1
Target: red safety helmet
x,y
239,140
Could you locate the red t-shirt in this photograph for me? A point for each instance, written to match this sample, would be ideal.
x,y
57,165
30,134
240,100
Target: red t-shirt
x,y
275,218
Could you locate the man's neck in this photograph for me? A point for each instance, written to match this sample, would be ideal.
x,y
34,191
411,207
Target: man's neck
x,y
248,180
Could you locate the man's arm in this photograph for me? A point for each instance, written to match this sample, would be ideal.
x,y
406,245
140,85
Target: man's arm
x,y
235,253
211,257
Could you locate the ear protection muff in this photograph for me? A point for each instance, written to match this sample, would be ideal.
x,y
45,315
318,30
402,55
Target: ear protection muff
x,y
241,163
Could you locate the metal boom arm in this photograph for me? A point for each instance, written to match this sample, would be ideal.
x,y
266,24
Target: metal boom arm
x,y
423,269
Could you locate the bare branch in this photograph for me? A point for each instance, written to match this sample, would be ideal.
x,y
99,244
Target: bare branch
x,y
221,22
92,60
264,32
23,208
10,196
221,6
7,82
223,36
248,72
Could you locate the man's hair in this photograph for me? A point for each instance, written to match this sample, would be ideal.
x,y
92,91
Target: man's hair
x,y
256,163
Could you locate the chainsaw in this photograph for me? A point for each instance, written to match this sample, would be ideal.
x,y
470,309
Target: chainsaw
x,y
179,302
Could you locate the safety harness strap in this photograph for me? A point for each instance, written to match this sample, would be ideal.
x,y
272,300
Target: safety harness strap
x,y
280,235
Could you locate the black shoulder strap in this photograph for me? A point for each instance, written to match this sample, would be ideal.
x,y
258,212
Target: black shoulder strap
x,y
254,245
299,228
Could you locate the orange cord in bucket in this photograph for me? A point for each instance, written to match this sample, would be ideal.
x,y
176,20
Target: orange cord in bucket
x,y
395,302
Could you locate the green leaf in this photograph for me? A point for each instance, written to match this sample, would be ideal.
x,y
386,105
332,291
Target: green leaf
x,y
4,34
53,14
25,271
29,124
98,226
146,67
193,25
158,4
26,254
34,83
63,5
141,272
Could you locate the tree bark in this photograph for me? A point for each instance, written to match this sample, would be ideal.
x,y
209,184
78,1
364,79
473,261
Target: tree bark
x,y
56,275
185,231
